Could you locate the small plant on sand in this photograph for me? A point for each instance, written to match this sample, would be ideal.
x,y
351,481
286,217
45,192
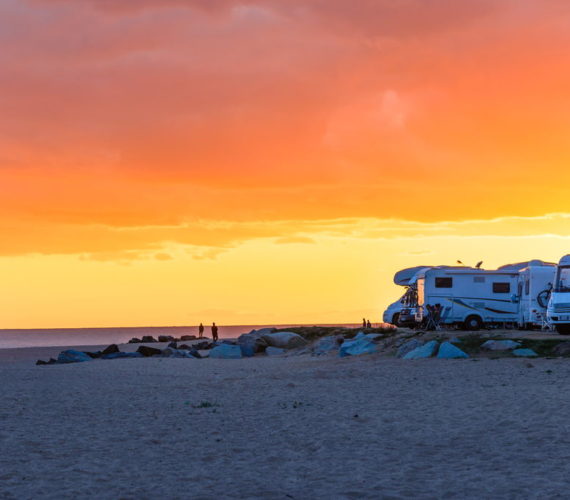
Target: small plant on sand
x,y
206,404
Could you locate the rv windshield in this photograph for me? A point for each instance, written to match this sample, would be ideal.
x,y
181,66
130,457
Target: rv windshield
x,y
410,298
562,279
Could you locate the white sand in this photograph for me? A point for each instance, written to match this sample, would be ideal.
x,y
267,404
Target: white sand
x,y
283,428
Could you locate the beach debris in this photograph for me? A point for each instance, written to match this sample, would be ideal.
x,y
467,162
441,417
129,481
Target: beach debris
x,y
275,351
525,353
499,345
285,340
148,351
73,356
360,344
118,355
226,351
326,345
425,351
562,349
409,346
448,351
148,338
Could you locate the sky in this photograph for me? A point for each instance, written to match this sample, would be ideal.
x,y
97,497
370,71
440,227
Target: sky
x,y
170,162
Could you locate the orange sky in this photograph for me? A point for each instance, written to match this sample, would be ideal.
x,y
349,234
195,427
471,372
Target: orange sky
x,y
145,141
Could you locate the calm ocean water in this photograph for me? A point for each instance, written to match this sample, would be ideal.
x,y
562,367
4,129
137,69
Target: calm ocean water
x,y
100,336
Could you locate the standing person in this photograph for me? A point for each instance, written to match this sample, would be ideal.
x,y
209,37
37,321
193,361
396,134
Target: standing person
x,y
363,322
368,325
200,331
214,332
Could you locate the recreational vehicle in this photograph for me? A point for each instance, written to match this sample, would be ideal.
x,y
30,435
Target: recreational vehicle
x,y
558,311
534,290
468,297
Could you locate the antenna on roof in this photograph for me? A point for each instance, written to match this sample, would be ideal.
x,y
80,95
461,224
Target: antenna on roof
x,y
478,265
460,263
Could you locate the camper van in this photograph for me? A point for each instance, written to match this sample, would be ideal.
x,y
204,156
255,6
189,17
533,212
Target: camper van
x,y
534,290
468,297
558,311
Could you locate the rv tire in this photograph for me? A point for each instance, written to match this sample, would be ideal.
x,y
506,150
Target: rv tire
x,y
472,323
396,319
563,329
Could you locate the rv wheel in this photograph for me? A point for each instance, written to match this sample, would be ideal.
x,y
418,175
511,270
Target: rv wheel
x,y
395,319
472,323
563,329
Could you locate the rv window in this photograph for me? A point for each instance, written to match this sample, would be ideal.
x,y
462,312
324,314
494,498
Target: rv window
x,y
526,287
444,282
501,288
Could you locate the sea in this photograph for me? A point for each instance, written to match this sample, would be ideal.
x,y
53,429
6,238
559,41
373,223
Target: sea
x,y
104,336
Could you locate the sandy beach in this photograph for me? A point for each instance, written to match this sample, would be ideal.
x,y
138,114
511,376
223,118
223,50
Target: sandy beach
x,y
284,427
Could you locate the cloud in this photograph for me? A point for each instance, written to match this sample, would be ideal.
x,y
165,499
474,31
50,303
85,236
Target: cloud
x,y
294,240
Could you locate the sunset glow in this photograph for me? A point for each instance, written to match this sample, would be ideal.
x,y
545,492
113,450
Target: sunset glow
x,y
172,162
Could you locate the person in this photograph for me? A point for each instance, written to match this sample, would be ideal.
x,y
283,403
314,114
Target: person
x,y
363,322
214,332
368,325
200,331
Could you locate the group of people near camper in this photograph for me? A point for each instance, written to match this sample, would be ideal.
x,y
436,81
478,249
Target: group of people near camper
x,y
214,328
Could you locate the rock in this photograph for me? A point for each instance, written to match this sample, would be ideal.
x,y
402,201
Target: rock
x,y
109,350
226,351
251,343
148,351
326,345
204,353
148,338
135,340
274,351
409,346
455,340
73,356
425,351
448,351
165,338
173,345
41,362
562,349
356,347
525,353
169,352
285,340
499,345
206,344
94,355
117,355
263,331
184,346
186,338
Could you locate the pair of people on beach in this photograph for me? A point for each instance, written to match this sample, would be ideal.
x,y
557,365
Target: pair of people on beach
x,y
214,332
366,323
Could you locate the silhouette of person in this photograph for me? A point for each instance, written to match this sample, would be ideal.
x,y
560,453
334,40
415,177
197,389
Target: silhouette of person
x,y
200,331
363,322
214,332
368,325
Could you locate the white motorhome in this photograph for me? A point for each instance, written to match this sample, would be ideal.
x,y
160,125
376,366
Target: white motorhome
x,y
534,290
469,297
401,312
558,311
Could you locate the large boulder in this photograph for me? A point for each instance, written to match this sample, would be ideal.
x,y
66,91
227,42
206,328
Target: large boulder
x,y
499,345
409,346
326,345
170,352
562,349
525,353
284,340
165,338
73,356
119,355
110,349
226,351
448,351
425,351
148,338
186,338
357,346
135,340
148,351
251,343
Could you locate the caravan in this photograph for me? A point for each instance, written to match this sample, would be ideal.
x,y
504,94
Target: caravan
x,y
558,311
